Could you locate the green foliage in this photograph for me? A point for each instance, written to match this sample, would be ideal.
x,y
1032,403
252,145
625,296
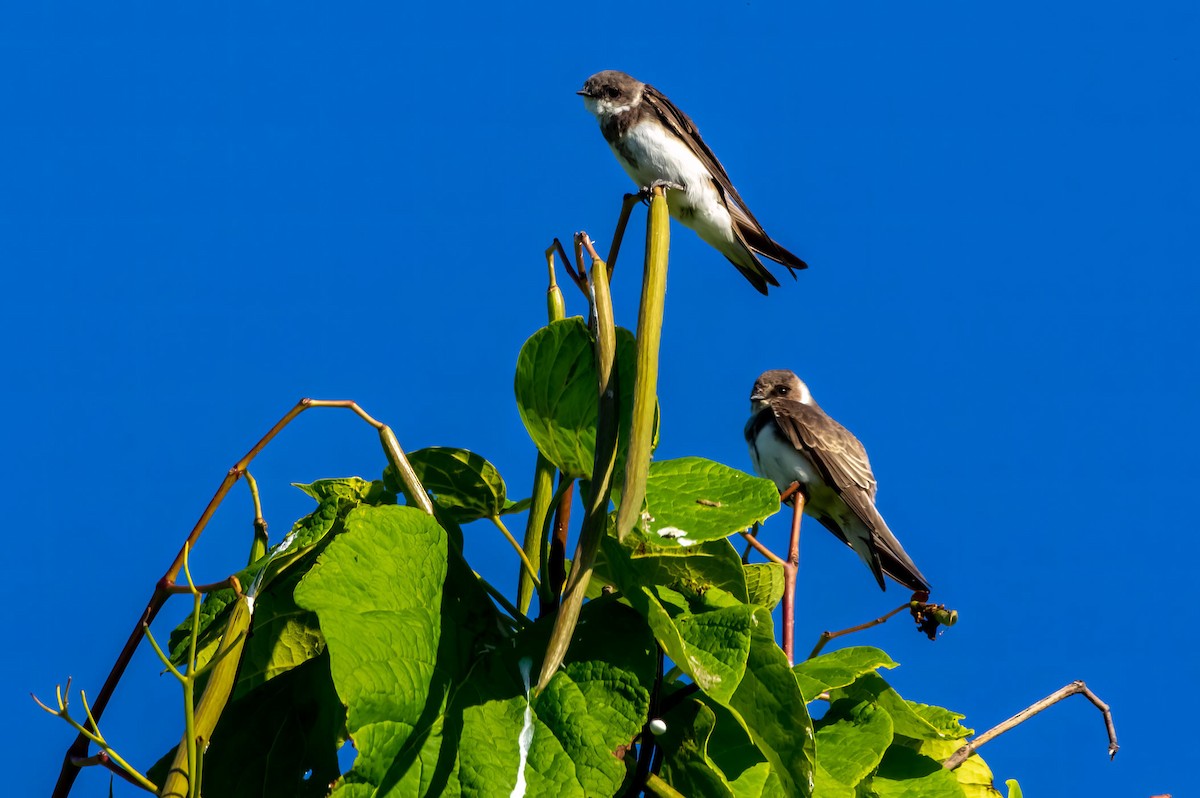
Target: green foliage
x,y
691,500
556,394
371,626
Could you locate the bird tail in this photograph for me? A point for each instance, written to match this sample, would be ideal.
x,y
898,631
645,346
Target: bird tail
x,y
881,551
766,246
894,560
757,274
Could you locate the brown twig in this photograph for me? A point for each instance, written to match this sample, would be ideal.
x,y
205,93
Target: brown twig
x,y
1076,687
827,636
627,205
580,280
790,571
166,585
762,549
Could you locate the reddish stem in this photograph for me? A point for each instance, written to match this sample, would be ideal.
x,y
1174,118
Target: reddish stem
x,y
790,570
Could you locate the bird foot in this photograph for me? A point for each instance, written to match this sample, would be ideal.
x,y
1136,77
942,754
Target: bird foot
x,y
646,192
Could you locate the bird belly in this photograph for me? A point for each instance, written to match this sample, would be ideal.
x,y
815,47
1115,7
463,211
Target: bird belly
x,y
649,153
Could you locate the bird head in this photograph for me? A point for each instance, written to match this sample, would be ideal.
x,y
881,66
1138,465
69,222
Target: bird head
x,y
610,92
778,384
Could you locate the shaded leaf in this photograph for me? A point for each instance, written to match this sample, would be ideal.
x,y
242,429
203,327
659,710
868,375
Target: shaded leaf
x,y
772,709
689,570
973,776
464,485
906,774
686,765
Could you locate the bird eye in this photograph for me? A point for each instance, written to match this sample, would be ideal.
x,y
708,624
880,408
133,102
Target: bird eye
x,y
781,390
611,92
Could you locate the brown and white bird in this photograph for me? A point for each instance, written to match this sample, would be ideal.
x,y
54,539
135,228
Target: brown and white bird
x,y
792,440
656,143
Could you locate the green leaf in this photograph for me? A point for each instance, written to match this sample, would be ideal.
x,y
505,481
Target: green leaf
x,y
284,636
383,641
583,724
690,570
906,774
772,709
466,486
711,647
355,489
1014,789
764,584
905,720
838,669
973,776
944,720
308,536
851,738
691,500
556,390
764,724
686,764
279,741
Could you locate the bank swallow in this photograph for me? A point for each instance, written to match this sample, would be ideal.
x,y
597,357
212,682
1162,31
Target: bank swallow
x,y
793,440
655,142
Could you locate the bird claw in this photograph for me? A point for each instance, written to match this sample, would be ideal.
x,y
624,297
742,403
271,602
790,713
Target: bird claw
x,y
646,192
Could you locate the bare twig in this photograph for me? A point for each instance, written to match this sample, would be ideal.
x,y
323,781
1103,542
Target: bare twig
x,y
580,280
1076,687
627,206
827,636
166,585
758,545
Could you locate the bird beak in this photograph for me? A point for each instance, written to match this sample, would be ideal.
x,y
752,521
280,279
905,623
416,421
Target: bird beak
x,y
584,93
756,397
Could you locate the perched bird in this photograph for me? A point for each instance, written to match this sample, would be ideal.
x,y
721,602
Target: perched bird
x,y
793,440
656,143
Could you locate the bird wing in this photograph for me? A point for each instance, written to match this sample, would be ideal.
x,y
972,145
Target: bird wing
x,y
679,123
747,228
842,461
833,449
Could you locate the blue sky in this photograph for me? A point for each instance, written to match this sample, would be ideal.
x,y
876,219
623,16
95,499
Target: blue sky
x,y
210,210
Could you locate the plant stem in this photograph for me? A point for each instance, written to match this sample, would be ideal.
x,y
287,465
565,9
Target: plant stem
x,y
649,336
165,586
556,565
595,519
530,571
656,785
258,547
790,570
543,470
